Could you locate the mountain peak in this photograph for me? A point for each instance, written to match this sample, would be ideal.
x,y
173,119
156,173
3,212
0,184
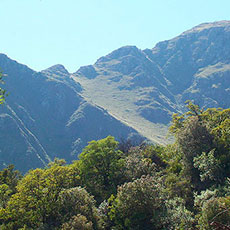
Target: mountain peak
x,y
121,52
58,69
88,71
3,55
209,25
124,51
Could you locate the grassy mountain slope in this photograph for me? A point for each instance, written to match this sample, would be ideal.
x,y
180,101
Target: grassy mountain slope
x,y
144,87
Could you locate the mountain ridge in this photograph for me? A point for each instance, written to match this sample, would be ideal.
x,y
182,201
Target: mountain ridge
x,y
162,78
45,117
128,92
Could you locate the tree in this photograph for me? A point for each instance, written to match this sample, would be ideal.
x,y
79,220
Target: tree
x,y
78,222
36,202
10,177
100,167
78,209
193,137
215,214
208,166
139,205
137,165
203,137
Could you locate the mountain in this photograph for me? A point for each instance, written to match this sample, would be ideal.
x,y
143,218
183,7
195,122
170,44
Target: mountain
x,y
128,92
45,117
143,88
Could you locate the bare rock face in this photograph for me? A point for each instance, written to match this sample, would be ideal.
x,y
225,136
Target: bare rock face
x,y
88,71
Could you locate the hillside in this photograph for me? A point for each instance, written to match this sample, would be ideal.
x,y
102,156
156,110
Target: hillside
x,y
45,117
128,92
143,88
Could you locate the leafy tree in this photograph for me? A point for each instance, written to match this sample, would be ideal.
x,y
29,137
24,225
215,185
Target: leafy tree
x,y
136,165
218,121
156,153
126,144
193,139
208,166
202,137
100,167
10,177
5,194
179,216
215,214
78,209
178,186
78,222
139,205
36,201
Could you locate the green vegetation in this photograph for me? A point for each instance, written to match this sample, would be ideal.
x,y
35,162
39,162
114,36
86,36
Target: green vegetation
x,y
180,186
2,91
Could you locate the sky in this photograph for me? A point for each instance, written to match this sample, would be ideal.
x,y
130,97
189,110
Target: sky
x,y
74,33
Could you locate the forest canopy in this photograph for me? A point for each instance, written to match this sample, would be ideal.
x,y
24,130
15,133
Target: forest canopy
x,y
184,185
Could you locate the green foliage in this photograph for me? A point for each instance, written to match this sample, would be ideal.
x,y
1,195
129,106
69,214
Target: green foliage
x,y
138,205
208,166
156,153
5,193
180,186
76,202
8,181
78,222
137,165
10,177
215,214
202,136
2,91
214,211
203,197
35,202
57,162
179,216
99,165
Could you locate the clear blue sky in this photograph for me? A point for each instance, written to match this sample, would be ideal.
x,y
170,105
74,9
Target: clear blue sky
x,y
41,33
